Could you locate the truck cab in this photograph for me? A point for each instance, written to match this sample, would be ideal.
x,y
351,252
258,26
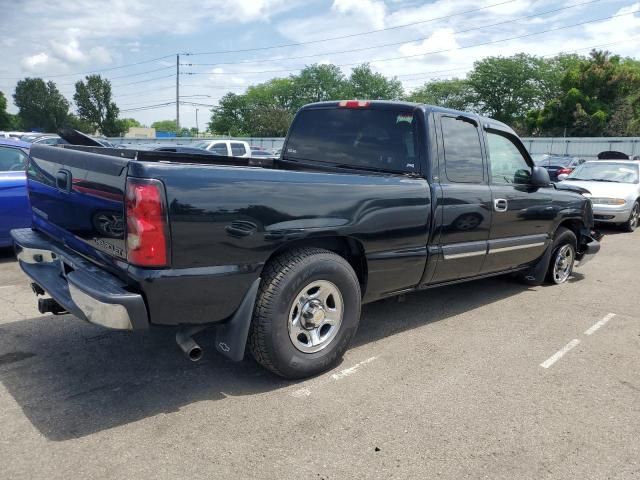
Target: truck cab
x,y
227,148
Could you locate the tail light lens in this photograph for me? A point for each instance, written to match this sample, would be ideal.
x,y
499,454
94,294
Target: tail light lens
x,y
147,229
565,171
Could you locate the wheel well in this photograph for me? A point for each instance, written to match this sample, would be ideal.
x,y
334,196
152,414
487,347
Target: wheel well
x,y
574,226
348,248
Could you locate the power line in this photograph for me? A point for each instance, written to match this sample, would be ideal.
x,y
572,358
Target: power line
x,y
146,90
361,49
435,52
143,81
98,70
429,74
309,42
434,19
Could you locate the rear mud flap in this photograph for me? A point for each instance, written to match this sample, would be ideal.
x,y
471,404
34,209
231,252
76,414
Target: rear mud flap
x,y
231,336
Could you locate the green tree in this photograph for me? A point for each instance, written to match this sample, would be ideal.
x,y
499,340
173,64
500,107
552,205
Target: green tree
x,y
317,83
124,124
507,88
599,96
40,104
454,93
7,121
77,123
228,117
363,83
165,126
95,105
128,123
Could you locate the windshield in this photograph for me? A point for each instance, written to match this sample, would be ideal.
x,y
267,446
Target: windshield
x,y
201,145
555,161
361,138
619,172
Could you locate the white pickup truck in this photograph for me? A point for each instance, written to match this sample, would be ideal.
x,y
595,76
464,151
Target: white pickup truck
x,y
227,148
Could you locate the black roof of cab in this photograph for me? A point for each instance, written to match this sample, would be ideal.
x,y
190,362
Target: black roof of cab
x,y
486,122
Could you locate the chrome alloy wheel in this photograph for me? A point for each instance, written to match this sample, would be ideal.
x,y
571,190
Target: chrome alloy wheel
x,y
315,316
563,264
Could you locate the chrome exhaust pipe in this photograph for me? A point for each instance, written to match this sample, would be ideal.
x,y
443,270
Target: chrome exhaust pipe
x,y
188,345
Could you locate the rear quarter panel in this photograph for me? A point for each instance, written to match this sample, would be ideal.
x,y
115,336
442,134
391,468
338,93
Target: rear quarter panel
x,y
232,219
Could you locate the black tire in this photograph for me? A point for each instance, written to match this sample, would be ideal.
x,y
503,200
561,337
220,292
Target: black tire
x,y
564,239
283,279
631,224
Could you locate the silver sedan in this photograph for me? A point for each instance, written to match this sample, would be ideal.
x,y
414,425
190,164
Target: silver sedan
x,y
615,190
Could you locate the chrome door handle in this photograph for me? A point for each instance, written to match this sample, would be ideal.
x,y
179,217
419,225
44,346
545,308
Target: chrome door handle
x,y
500,205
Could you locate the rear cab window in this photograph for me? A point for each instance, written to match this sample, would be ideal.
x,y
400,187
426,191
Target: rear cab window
x,y
238,149
463,162
368,138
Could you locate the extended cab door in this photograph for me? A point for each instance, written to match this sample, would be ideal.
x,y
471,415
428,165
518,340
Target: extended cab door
x,y
522,214
463,211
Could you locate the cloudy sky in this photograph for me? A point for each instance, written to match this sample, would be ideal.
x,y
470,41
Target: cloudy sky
x,y
229,42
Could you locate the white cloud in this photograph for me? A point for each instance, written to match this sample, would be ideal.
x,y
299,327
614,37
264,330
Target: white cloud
x,y
441,39
59,37
35,63
374,11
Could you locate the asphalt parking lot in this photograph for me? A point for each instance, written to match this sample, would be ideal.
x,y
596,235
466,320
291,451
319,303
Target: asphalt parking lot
x,y
489,379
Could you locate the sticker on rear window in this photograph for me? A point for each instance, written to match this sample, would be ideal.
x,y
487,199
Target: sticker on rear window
x,y
404,118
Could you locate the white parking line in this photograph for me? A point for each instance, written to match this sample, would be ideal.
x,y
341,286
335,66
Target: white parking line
x,y
9,286
560,353
306,391
599,324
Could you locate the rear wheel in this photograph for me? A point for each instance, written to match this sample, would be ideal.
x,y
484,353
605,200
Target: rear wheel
x,y
306,313
563,256
631,224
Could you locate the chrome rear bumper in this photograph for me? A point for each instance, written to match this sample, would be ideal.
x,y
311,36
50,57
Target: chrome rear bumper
x,y
83,289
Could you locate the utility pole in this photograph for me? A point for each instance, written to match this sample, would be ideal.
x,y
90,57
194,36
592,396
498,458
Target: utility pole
x,y
177,94
197,126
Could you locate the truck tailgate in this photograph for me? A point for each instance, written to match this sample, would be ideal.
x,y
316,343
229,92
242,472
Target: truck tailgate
x,y
77,197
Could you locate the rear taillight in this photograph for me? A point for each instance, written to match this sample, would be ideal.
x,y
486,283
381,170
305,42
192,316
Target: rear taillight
x,y
147,229
565,171
354,104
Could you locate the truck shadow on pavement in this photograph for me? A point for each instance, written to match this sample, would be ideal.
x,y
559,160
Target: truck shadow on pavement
x,y
72,379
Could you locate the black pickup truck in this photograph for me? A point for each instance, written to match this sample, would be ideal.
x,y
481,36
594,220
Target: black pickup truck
x,y
367,200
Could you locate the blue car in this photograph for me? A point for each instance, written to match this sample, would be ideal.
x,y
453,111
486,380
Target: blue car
x,y
14,205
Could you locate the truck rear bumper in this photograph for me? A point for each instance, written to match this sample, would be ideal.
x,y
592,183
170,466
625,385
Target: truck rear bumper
x,y
83,289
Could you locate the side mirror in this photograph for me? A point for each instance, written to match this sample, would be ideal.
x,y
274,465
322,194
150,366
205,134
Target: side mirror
x,y
522,177
540,177
562,176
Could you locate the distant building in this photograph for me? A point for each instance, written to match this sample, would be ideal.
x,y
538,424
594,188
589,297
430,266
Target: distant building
x,y
140,132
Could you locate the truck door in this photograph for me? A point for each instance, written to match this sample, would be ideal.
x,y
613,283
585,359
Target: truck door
x,y
522,214
463,212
